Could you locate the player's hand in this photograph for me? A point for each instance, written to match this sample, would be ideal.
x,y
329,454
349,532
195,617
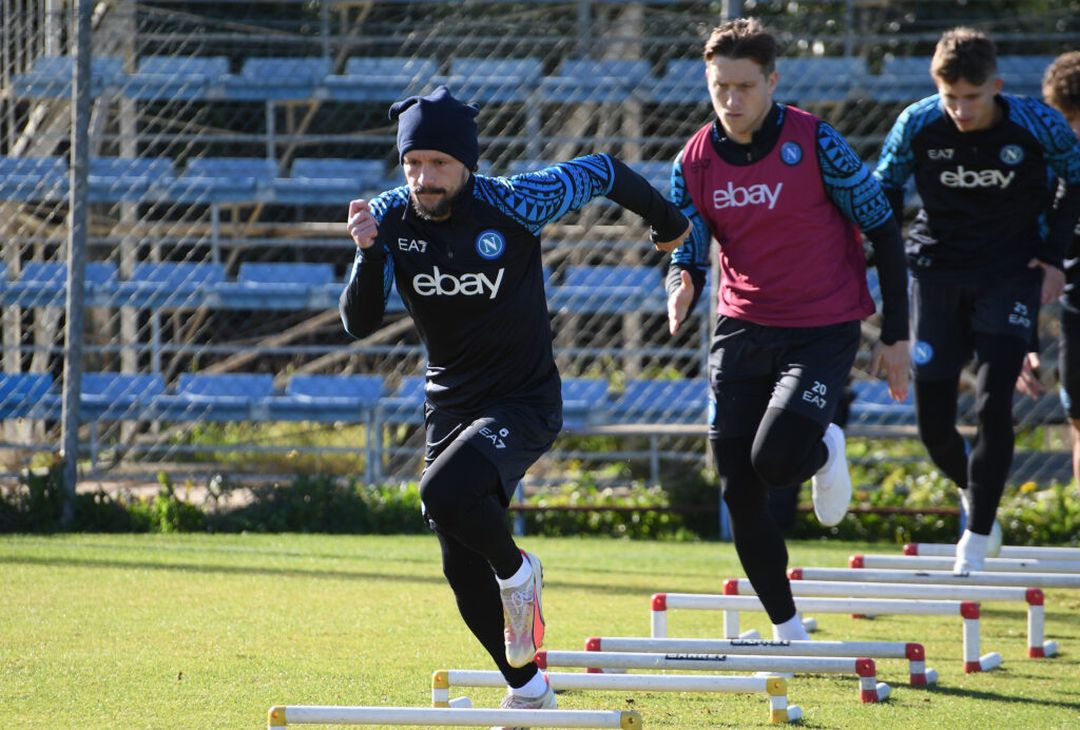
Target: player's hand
x,y
1053,283
1028,382
669,246
894,361
361,224
678,303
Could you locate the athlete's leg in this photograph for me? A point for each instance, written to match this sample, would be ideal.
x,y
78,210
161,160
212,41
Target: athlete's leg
x,y
935,411
1069,375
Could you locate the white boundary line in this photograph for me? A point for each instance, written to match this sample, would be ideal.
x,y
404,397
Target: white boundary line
x,y
774,687
284,715
967,610
919,675
1033,598
1022,552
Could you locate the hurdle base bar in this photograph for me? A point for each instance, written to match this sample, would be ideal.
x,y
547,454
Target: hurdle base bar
x,y
986,663
282,716
1048,649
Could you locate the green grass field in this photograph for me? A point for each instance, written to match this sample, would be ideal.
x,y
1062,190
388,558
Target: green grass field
x,y
154,631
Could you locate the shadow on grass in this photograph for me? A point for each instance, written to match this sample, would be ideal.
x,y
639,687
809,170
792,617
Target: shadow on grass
x,y
1006,698
292,572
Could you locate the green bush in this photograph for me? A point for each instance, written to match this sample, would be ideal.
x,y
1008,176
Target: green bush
x,y
647,521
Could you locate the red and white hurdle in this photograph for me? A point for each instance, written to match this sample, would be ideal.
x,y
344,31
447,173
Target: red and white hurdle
x,y
992,565
967,610
870,690
1022,552
919,675
774,687
860,572
1033,598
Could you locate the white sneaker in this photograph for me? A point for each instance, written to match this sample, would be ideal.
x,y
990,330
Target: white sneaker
x,y
511,701
970,553
523,615
993,547
832,484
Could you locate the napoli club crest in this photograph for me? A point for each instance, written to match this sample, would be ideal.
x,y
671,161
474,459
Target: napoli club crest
x,y
791,153
1012,154
922,352
490,244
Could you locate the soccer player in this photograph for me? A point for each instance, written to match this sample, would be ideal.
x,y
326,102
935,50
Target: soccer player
x,y
464,252
985,250
1061,90
783,194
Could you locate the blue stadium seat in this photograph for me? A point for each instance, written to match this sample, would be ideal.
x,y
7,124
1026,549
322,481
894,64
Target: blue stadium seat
x,y
113,396
584,402
329,398
283,286
220,397
381,79
609,290
33,179
127,179
820,79
51,76
171,284
873,405
683,82
44,283
662,401
28,395
493,80
329,180
223,180
177,78
902,79
1023,74
597,80
404,405
263,79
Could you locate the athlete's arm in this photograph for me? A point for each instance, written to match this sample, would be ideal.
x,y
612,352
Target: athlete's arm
x,y
1062,149
689,265
896,163
363,301
535,199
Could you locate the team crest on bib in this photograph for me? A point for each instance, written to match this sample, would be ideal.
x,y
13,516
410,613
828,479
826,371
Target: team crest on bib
x,y
791,153
490,244
1012,154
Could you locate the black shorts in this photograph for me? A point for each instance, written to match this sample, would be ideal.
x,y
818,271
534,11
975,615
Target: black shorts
x,y
753,367
945,318
512,437
1069,362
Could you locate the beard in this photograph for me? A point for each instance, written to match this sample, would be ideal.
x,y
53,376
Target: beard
x,y
437,212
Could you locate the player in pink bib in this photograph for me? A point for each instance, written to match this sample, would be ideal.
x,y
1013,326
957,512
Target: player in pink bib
x,y
784,196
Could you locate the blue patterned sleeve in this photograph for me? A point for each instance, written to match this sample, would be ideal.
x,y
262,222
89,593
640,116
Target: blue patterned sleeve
x,y
848,183
362,303
694,253
537,198
1050,128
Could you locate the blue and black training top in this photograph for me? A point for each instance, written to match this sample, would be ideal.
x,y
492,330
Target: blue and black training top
x,y
987,196
474,283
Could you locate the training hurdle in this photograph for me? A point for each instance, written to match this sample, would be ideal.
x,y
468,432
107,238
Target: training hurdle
x,y
774,687
992,565
919,675
870,690
944,577
1032,597
967,610
944,550
285,715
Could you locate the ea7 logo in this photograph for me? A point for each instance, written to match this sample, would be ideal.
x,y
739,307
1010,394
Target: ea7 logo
x,y
412,244
946,154
964,178
497,438
448,285
816,394
1020,315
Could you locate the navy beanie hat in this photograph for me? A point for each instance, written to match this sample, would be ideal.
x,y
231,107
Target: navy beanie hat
x,y
440,122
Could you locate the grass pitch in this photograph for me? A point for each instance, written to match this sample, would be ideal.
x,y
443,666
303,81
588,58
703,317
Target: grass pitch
x,y
157,631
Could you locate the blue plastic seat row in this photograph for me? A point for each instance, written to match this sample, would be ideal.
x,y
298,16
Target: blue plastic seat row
x,y
204,180
575,80
356,398
298,286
